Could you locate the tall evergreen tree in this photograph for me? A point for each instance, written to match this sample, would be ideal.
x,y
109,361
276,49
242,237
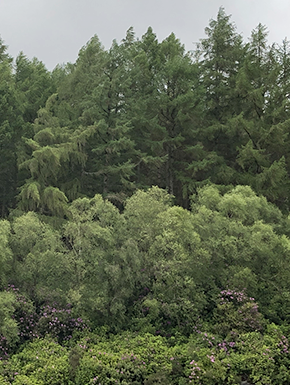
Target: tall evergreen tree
x,y
97,89
143,108
220,56
34,84
54,160
11,129
111,152
165,111
262,161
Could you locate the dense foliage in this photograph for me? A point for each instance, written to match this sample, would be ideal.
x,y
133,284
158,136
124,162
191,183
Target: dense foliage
x,y
144,200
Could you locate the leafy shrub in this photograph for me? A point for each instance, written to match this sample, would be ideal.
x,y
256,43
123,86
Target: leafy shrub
x,y
42,361
126,359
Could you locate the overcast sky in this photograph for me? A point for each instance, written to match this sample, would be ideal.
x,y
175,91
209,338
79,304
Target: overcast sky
x,y
55,30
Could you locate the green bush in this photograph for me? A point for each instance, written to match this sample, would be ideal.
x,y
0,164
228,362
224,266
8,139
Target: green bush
x,y
40,362
126,359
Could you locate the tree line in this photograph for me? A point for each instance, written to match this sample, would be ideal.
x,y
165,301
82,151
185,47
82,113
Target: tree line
x,y
144,198
146,113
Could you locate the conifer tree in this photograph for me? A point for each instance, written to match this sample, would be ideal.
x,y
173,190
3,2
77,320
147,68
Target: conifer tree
x,y
97,90
262,161
143,109
111,152
220,56
54,160
165,111
11,129
34,84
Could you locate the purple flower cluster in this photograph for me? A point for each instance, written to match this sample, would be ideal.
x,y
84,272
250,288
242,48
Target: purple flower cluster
x,y
247,313
58,322
226,346
195,371
234,296
284,345
54,320
24,315
205,337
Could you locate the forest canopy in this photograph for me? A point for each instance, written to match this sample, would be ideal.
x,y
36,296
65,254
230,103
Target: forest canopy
x,y
144,204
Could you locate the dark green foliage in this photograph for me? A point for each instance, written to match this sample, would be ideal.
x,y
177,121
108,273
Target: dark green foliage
x,y
11,129
34,86
147,113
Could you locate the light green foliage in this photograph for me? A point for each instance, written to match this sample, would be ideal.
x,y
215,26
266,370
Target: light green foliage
x,y
178,265
105,263
8,326
140,212
146,359
243,205
127,359
22,379
3,381
88,232
238,229
173,261
40,266
40,362
253,357
49,157
5,251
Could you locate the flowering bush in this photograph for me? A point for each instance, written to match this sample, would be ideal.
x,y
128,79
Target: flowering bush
x,y
237,312
58,322
251,356
126,359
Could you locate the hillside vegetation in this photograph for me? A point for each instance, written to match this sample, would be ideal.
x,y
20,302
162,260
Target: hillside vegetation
x,y
144,202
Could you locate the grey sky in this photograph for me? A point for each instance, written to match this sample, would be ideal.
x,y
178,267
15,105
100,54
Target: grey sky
x,y
55,30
